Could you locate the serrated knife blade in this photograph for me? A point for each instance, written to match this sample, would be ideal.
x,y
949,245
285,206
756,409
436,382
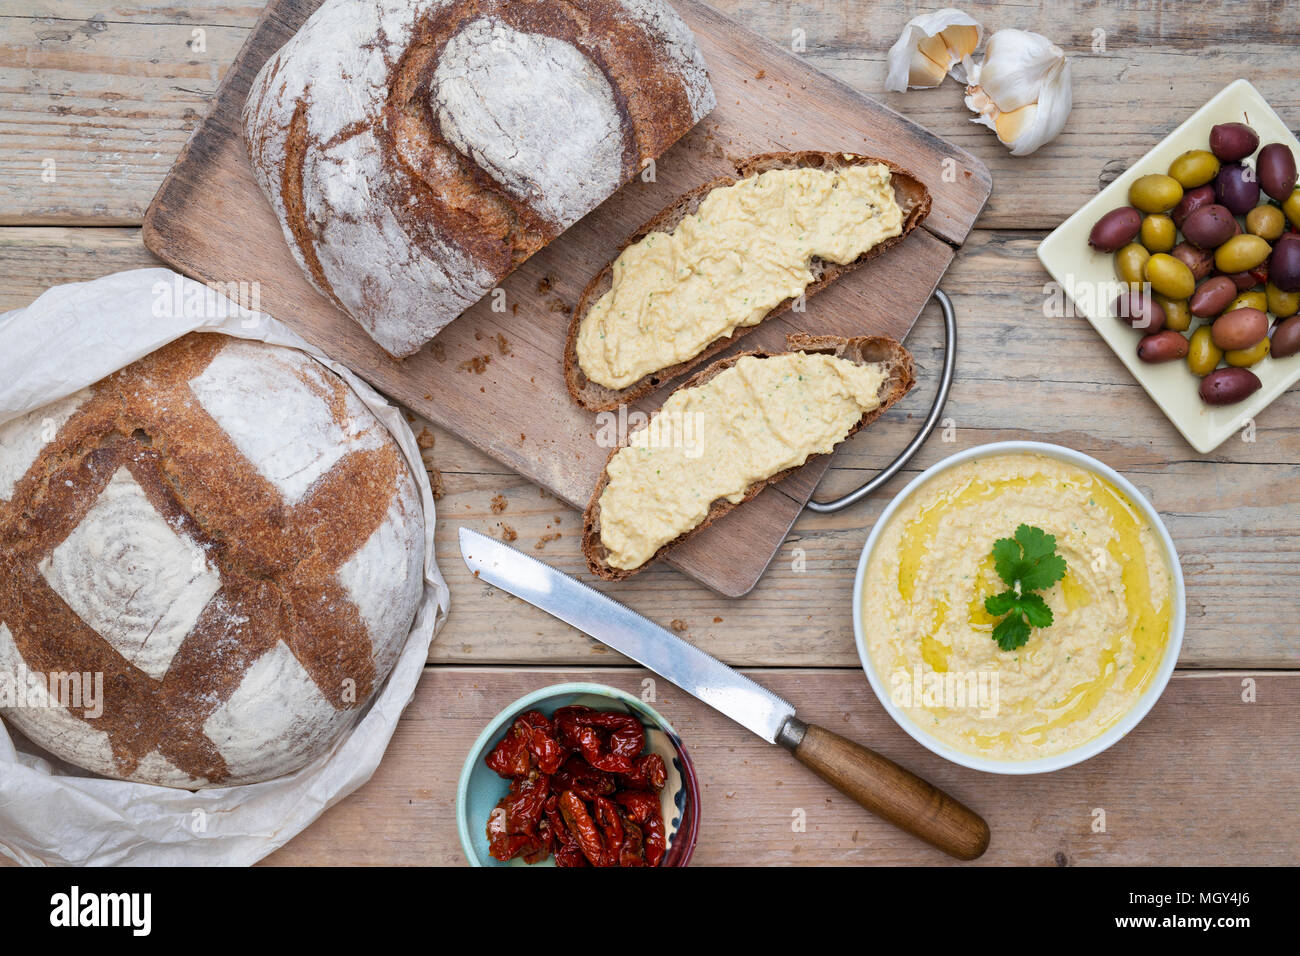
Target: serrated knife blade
x,y
631,634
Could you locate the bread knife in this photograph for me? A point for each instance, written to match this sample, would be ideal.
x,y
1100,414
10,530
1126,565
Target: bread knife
x,y
877,783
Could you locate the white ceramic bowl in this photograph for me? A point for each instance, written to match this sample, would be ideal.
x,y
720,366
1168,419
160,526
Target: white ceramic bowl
x,y
1081,272
1139,710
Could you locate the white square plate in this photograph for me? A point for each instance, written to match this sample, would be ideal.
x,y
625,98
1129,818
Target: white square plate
x,y
1081,272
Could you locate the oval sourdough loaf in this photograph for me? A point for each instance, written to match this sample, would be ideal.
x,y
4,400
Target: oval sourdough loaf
x,y
417,151
228,535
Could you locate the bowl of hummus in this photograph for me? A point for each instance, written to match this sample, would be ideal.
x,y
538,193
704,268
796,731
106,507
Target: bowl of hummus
x,y
1019,607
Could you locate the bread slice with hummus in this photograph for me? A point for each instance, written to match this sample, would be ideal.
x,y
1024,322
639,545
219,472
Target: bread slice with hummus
x,y
727,256
745,422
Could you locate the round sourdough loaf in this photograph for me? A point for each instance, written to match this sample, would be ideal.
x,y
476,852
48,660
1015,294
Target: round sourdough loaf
x,y
417,151
227,535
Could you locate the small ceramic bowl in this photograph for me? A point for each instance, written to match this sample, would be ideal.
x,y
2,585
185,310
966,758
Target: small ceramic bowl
x,y
1096,745
480,789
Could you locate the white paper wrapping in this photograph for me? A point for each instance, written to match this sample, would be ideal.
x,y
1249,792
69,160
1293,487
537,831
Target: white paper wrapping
x,y
52,813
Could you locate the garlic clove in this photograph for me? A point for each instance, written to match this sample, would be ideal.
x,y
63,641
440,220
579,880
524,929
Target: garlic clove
x,y
930,46
1022,90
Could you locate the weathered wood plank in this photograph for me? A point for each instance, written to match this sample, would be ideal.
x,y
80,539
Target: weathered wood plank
x,y
1201,742
1230,513
131,89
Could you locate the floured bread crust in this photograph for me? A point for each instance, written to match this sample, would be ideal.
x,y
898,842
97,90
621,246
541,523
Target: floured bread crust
x,y
225,533
417,151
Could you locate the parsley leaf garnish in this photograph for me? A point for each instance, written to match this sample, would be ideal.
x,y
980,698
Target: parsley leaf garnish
x,y
1026,563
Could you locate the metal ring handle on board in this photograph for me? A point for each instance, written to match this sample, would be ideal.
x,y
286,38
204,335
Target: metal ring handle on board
x,y
936,410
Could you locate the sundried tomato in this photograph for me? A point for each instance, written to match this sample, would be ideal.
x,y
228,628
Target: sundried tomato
x,y
580,789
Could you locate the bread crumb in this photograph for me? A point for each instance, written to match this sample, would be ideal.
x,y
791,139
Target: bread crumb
x,y
478,364
435,479
760,74
503,345
498,504
439,351
678,625
508,533
558,305
717,620
544,284
546,539
425,439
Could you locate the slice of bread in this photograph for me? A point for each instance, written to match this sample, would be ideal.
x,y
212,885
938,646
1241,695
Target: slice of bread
x,y
899,379
910,193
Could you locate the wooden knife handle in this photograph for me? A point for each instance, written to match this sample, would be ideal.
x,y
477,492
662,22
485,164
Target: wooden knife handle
x,y
895,794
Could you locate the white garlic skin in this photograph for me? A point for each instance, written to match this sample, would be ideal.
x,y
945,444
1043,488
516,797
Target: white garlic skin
x,y
930,47
1022,90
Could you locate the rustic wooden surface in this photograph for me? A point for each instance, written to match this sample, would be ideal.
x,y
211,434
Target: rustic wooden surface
x,y
483,375
110,92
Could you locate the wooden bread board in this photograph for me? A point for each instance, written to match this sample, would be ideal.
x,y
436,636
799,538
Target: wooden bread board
x,y
210,220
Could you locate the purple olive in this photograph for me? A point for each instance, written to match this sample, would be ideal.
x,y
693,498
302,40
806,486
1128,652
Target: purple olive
x,y
1163,346
1284,264
1233,141
1210,226
1117,228
1237,188
1200,261
1192,200
1277,174
1286,337
1138,308
1212,297
1245,280
1239,329
1228,385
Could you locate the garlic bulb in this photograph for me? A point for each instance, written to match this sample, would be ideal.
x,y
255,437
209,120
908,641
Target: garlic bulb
x,y
1022,89
929,47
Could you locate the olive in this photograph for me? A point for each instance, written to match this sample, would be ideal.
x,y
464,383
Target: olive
x,y
1130,262
1200,261
1228,385
1254,299
1241,254
1267,222
1245,281
1138,308
1177,314
1237,188
1169,277
1245,358
1291,206
1210,226
1166,346
1193,199
1286,337
1212,297
1155,193
1233,141
1284,266
1117,228
1240,329
1282,304
1158,232
1196,167
1276,168
1202,354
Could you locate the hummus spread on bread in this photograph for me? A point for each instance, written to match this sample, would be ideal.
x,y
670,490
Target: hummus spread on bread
x,y
716,439
748,248
930,638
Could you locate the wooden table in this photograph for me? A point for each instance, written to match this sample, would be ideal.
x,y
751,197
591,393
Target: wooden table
x,y
95,102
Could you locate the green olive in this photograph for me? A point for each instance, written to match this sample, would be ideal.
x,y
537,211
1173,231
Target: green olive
x,y
1178,316
1203,356
1282,304
1129,263
1292,208
1267,222
1169,276
1159,233
1196,167
1253,299
1241,253
1245,358
1155,193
